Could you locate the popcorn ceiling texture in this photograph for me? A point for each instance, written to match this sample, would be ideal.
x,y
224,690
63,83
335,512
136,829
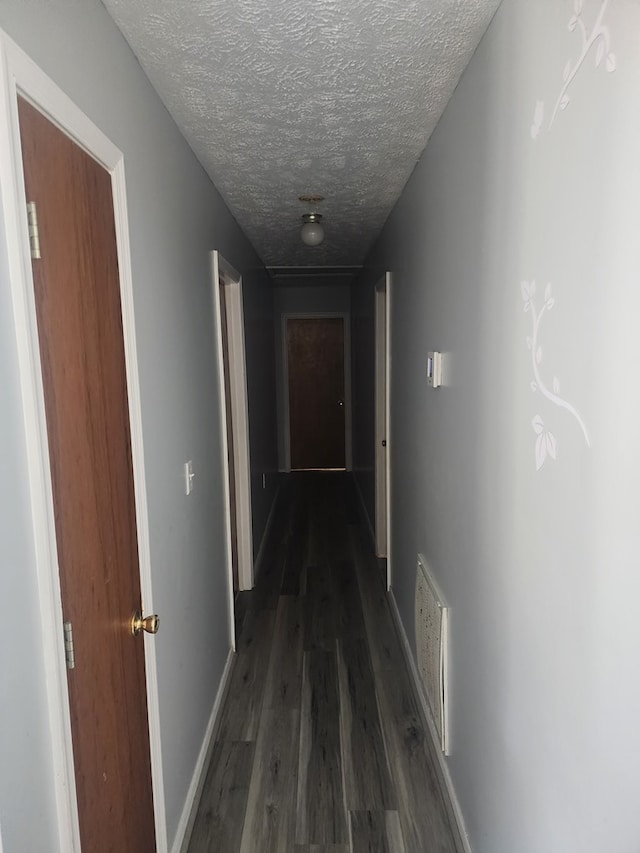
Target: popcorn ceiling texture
x,y
287,97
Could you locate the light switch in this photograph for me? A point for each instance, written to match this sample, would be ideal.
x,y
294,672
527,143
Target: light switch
x,y
188,477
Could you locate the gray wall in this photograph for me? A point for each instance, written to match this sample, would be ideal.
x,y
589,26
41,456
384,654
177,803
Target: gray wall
x,y
176,217
303,299
531,530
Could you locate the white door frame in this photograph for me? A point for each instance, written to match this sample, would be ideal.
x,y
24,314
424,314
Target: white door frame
x,y
20,75
346,317
231,280
383,420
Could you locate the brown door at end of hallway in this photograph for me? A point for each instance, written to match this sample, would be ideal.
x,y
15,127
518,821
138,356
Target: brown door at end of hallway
x,y
315,361
77,297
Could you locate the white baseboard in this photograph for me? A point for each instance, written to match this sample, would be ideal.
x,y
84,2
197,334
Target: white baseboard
x,y
426,712
188,816
265,536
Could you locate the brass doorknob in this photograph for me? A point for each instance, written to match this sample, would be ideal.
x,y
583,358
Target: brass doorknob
x,y
150,624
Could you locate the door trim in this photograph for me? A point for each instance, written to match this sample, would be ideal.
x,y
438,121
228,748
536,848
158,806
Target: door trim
x,y
20,75
240,423
382,418
323,315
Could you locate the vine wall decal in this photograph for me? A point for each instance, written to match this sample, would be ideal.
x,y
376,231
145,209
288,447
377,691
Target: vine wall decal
x,y
546,444
597,39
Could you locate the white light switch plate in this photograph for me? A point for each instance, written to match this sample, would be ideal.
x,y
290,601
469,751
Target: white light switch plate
x,y
434,369
188,477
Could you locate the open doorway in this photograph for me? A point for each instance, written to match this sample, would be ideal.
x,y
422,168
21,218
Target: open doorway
x,y
382,425
229,318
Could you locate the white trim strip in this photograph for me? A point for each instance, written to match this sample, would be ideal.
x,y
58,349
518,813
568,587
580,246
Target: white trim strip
x,y
431,726
389,291
239,420
215,277
190,808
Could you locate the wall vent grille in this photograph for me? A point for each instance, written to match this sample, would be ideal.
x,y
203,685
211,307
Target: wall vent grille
x,y
432,628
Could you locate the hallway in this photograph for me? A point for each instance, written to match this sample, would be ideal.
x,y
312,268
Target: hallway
x,y
320,745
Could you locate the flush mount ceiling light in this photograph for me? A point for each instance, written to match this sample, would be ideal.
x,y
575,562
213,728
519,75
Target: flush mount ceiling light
x,y
312,232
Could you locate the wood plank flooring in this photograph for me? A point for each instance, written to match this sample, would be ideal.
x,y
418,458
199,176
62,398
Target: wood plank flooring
x,y
320,746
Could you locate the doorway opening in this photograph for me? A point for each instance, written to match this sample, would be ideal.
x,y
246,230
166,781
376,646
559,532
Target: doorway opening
x,y
382,420
229,319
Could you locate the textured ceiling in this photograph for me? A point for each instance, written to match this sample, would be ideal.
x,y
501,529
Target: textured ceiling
x,y
280,98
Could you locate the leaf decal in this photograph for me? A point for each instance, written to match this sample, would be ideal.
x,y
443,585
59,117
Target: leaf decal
x,y
546,445
541,451
538,118
551,444
595,40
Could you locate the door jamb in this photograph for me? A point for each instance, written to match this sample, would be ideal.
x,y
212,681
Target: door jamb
x,y
20,75
382,296
223,271
320,315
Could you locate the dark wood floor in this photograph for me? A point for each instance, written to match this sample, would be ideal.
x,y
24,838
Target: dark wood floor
x,y
320,745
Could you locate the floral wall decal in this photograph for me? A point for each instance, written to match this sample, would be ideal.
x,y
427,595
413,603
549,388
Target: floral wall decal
x,y
546,444
596,39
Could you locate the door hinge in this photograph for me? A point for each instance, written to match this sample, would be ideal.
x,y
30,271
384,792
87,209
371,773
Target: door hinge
x,y
34,234
69,653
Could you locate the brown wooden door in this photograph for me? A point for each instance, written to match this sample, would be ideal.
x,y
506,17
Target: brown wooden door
x,y
83,369
315,358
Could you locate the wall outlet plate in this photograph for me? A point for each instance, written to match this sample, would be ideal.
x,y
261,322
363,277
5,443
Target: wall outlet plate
x,y
434,369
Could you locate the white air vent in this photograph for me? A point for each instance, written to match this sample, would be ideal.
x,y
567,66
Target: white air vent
x,y
432,623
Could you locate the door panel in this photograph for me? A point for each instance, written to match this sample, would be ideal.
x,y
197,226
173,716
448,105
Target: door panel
x,y
315,358
77,297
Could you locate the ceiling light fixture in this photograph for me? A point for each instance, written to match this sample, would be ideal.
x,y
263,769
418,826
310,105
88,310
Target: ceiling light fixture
x,y
312,232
